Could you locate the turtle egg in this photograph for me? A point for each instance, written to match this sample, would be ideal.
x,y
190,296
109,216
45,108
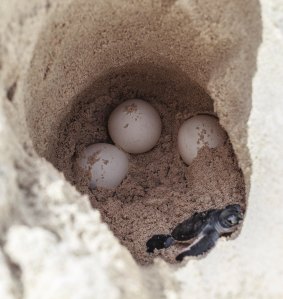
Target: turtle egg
x,y
135,126
105,164
198,131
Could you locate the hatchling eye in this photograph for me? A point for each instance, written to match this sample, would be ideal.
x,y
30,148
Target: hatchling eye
x,y
232,220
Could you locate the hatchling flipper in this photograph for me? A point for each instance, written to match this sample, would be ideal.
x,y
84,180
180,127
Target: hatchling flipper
x,y
159,242
201,245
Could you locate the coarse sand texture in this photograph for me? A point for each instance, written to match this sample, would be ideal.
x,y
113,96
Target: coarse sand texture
x,y
160,190
91,65
65,66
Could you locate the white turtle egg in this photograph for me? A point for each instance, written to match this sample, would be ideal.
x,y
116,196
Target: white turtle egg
x,y
135,126
198,131
105,164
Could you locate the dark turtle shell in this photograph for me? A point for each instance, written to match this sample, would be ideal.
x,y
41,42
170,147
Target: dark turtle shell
x,y
191,227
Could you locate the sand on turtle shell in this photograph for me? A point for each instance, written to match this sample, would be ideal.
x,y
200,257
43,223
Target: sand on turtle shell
x,y
160,190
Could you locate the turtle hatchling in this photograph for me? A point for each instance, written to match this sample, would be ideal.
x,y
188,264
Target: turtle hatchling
x,y
202,230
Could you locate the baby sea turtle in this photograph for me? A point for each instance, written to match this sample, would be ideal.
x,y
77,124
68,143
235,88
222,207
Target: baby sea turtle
x,y
203,229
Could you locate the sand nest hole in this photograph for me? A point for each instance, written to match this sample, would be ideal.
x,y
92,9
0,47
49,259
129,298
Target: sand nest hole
x,y
83,67
160,190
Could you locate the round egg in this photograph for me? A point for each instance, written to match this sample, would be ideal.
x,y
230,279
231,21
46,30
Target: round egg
x,y
198,131
135,126
105,164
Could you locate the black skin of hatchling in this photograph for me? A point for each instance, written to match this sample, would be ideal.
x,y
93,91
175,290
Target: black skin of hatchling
x,y
202,229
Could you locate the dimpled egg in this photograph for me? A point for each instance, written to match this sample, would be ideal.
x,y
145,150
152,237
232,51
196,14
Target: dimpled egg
x,y
198,131
104,164
135,126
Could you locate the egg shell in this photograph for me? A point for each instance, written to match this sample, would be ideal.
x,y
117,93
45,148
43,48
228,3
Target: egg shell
x,y
198,131
135,126
105,164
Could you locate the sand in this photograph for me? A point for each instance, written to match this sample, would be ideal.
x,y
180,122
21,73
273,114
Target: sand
x,y
160,190
218,48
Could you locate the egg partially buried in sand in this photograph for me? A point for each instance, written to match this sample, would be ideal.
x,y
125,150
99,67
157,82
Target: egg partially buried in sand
x,y
198,131
105,165
135,126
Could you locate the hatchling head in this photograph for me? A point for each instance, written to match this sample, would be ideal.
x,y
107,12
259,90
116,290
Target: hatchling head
x,y
230,217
